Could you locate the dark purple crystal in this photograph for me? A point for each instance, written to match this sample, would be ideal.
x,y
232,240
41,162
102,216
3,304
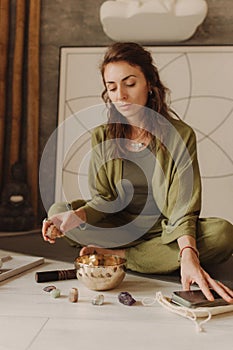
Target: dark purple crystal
x,y
126,298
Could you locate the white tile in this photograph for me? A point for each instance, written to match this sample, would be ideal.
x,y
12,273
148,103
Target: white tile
x,y
31,320
17,333
165,332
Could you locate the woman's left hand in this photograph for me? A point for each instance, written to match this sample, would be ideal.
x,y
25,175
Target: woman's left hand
x,y
192,272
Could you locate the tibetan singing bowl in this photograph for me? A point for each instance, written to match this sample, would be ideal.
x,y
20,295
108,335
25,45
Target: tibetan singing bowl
x,y
100,271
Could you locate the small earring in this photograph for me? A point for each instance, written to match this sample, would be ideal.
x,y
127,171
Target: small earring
x,y
150,92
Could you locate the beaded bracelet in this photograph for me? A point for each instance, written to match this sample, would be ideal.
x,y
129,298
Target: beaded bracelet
x,y
188,247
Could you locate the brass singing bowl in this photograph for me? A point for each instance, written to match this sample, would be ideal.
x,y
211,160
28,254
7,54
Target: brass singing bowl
x,y
100,271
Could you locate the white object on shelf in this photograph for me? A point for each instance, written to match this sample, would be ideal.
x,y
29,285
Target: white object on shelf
x,y
152,20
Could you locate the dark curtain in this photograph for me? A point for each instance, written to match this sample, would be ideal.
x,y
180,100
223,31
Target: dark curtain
x,y
19,113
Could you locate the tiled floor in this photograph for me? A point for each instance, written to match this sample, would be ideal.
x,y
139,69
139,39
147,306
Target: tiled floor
x,y
31,320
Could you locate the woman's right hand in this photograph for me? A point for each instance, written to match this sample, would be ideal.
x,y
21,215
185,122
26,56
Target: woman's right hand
x,y
61,223
47,224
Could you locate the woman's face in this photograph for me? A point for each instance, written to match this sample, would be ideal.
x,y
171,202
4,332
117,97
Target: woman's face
x,y
127,88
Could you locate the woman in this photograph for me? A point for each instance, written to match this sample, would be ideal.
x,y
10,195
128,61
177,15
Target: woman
x,y
145,183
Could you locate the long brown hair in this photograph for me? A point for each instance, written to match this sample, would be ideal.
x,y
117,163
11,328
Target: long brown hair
x,y
135,55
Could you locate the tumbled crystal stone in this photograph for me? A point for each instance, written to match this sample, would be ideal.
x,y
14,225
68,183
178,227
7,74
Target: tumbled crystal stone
x,y
98,300
126,298
55,293
73,295
49,288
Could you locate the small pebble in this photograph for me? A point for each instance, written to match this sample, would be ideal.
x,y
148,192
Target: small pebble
x,y
98,300
126,298
53,232
49,288
55,293
73,295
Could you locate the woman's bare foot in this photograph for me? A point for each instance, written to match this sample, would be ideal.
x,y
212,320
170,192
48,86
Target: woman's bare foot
x,y
91,249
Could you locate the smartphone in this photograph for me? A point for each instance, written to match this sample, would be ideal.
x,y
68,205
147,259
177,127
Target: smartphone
x,y
195,298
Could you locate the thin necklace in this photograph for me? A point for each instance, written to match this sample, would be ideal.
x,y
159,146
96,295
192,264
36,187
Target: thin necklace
x,y
137,146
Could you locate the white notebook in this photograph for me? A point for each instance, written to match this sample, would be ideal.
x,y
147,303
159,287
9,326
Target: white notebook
x,y
16,264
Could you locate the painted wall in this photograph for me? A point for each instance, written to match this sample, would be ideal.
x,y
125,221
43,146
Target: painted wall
x,y
76,23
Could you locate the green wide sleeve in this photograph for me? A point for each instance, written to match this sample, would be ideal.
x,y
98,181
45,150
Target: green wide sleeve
x,y
183,187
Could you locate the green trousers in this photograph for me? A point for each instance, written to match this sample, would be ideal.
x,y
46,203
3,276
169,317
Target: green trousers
x,y
214,243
